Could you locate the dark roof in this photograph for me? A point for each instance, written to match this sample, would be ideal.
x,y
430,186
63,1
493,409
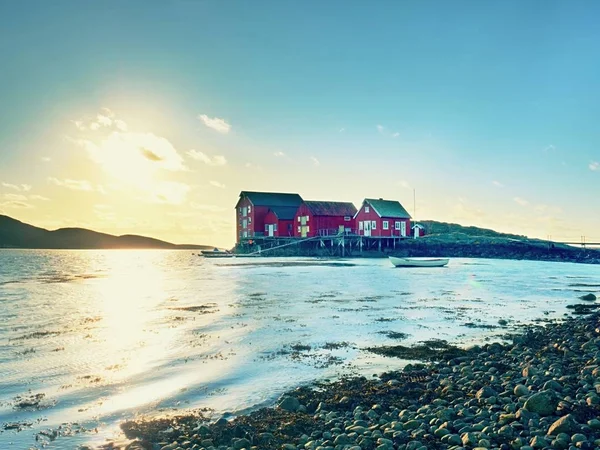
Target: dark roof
x,y
284,212
388,208
331,208
272,198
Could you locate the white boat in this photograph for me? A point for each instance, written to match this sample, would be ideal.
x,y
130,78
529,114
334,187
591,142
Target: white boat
x,y
414,262
216,253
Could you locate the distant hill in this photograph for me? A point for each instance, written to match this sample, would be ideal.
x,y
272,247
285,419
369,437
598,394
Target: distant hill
x,y
433,227
16,234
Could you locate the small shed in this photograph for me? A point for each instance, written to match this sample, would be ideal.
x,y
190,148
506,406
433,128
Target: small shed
x,y
279,221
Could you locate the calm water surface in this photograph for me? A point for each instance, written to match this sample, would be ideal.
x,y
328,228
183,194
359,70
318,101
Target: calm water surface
x,y
104,336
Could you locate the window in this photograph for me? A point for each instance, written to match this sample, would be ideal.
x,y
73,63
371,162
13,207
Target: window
x,y
397,225
249,219
360,226
386,225
346,218
367,209
298,218
240,208
249,209
266,227
275,227
245,223
244,211
307,217
299,230
373,225
245,234
307,229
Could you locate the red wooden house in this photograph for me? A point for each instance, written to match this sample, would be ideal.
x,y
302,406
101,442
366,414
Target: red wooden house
x,y
382,218
279,221
315,218
252,209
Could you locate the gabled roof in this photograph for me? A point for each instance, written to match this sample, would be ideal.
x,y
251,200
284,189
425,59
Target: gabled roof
x,y
284,212
271,198
331,208
388,208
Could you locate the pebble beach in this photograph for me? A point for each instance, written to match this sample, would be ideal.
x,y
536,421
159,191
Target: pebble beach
x,y
537,390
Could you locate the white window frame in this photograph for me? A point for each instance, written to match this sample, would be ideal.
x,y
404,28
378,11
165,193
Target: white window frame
x,y
249,219
386,225
299,230
307,229
245,223
373,225
298,218
347,219
249,209
360,225
275,226
367,210
244,211
397,225
307,218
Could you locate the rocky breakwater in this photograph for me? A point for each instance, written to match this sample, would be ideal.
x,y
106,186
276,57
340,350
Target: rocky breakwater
x,y
539,392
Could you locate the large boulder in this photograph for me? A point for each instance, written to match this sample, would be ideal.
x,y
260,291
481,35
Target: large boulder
x,y
566,424
543,403
289,403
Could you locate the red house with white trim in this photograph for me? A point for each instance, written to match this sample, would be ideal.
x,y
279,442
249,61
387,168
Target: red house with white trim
x,y
279,221
382,218
252,209
315,218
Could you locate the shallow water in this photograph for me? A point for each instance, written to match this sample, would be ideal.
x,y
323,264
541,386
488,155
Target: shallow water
x,y
111,335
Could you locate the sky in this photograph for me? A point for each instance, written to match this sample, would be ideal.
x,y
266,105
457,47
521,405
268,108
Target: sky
x,y
150,117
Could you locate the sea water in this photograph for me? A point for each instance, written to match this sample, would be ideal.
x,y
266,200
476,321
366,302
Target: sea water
x,y
89,339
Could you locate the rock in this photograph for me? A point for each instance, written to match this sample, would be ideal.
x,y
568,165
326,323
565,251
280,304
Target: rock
x,y
552,384
342,439
520,390
289,403
241,443
485,392
502,322
454,439
594,424
539,442
528,372
543,403
566,424
221,422
578,437
288,447
469,439
441,432
589,297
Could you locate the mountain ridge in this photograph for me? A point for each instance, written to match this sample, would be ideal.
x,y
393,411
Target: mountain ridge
x,y
17,234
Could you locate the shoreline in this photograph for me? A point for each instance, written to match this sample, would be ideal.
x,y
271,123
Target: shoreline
x,y
540,391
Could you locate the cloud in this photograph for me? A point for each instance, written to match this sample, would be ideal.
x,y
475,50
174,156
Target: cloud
x,y
395,135
16,197
215,123
315,161
17,187
16,204
404,184
497,184
217,160
250,165
550,148
105,119
464,211
521,201
46,159
594,165
279,154
342,130
38,197
380,128
76,185
129,156
217,184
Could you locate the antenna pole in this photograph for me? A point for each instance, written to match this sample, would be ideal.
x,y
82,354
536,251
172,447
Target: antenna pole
x,y
414,204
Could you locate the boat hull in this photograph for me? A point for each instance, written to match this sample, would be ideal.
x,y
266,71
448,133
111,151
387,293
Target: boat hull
x,y
410,262
213,254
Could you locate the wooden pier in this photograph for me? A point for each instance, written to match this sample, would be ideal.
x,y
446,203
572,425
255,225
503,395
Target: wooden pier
x,y
333,246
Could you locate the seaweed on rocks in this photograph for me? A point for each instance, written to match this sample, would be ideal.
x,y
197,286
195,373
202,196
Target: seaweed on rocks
x,y
426,351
